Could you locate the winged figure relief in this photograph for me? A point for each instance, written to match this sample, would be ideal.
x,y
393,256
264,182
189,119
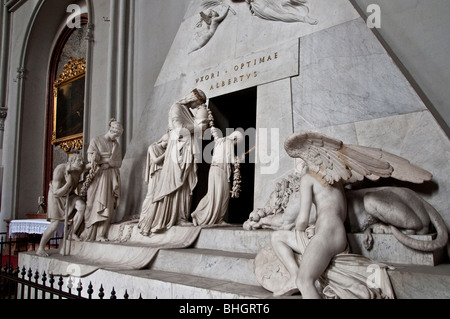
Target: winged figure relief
x,y
215,12
396,210
335,161
282,10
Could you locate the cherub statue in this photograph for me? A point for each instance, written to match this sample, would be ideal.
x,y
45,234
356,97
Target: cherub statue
x,y
326,165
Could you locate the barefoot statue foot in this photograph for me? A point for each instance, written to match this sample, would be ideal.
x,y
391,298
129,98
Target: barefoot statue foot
x,y
42,253
185,223
103,239
76,238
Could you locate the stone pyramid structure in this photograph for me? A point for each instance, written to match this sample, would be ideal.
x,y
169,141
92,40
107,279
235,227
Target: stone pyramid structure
x,y
333,77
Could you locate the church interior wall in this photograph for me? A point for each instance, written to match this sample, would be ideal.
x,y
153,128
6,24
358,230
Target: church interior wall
x,y
154,31
160,71
19,22
34,28
34,103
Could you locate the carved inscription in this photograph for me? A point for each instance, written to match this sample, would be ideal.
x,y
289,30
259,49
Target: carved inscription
x,y
237,73
258,68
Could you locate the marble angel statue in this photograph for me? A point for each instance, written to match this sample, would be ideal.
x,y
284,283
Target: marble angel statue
x,y
321,176
396,210
324,166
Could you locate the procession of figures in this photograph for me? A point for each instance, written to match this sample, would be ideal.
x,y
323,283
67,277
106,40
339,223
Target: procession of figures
x,y
310,212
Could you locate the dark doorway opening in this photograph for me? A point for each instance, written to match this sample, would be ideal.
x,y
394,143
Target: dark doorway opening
x,y
234,111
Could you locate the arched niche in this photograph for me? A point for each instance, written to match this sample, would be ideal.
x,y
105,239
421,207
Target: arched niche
x,y
47,33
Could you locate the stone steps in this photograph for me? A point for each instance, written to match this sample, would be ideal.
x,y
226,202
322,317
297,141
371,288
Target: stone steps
x,y
208,263
170,285
147,283
421,282
225,253
233,239
219,264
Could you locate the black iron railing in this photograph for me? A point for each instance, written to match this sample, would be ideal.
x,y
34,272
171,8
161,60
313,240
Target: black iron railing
x,y
26,284
20,283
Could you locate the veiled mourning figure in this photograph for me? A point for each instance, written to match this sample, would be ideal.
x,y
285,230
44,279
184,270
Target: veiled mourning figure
x,y
62,198
155,161
178,177
213,206
103,194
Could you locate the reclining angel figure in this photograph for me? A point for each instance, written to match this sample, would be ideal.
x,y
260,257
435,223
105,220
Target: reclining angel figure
x,y
395,210
328,165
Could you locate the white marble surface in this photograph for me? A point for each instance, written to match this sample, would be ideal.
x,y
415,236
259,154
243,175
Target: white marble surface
x,y
415,136
256,33
274,124
418,138
274,63
348,87
243,241
421,282
181,276
229,266
243,34
388,249
347,76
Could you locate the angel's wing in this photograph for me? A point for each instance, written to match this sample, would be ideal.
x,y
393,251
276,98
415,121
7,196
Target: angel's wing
x,y
207,4
338,162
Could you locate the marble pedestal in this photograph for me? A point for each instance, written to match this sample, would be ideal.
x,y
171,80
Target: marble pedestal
x,y
388,249
218,265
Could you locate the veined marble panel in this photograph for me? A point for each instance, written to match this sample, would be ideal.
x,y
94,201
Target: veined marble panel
x,y
274,126
418,138
347,76
255,33
235,74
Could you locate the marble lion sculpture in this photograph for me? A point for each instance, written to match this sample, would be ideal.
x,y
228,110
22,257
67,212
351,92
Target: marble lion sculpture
x,y
395,210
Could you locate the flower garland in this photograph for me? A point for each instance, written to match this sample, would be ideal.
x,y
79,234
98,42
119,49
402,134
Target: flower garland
x,y
90,177
236,178
237,162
